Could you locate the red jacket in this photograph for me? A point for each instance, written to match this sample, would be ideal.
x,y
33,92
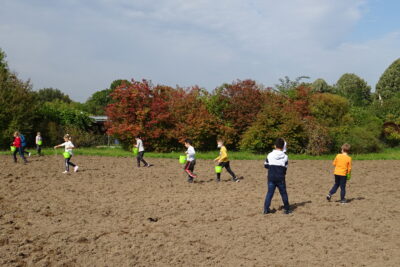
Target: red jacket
x,y
17,141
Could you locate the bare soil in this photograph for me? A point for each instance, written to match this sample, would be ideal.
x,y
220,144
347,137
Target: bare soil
x,y
112,213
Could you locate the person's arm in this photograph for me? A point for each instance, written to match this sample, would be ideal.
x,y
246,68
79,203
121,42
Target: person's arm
x,y
266,163
60,145
349,167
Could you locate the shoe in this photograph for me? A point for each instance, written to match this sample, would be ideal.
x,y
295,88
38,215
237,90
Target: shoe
x,y
343,201
328,197
288,211
235,180
267,212
218,180
65,172
76,168
190,180
29,154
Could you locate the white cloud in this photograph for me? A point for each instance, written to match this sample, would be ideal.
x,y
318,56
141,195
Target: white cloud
x,y
81,46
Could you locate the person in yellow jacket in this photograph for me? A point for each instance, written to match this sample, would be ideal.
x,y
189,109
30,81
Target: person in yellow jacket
x,y
223,161
342,165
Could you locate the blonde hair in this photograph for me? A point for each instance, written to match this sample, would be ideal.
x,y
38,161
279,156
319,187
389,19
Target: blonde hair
x,y
67,136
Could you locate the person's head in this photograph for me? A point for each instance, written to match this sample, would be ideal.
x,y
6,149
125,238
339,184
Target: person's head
x,y
188,142
38,134
16,133
137,137
67,137
346,148
279,143
220,142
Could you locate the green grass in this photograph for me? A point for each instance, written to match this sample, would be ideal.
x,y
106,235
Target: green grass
x,y
387,154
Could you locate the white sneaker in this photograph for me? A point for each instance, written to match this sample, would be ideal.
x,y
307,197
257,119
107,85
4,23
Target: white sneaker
x,y
29,154
65,172
76,168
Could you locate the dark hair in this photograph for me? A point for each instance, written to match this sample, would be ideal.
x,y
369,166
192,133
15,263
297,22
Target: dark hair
x,y
188,141
346,148
279,143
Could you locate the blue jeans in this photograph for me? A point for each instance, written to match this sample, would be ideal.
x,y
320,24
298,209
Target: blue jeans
x,y
271,190
340,181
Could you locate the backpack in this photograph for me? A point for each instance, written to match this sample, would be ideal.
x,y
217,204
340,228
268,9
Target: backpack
x,y
23,140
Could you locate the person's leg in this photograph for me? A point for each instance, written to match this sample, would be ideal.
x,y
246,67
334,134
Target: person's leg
x,y
21,154
335,186
282,190
343,180
138,159
142,159
67,165
222,164
228,169
268,197
15,154
70,163
39,149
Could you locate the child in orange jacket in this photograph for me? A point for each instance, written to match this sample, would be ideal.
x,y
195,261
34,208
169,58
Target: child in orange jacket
x,y
342,165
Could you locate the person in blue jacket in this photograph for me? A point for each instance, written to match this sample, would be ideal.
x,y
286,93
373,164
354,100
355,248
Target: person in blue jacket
x,y
277,163
23,145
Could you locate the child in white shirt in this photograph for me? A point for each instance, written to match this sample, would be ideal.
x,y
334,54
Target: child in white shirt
x,y
69,146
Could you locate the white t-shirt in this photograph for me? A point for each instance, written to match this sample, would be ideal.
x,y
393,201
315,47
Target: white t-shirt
x,y
190,154
68,147
139,145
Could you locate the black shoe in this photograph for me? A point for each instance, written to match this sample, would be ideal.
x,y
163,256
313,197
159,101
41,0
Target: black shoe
x,y
190,180
328,197
267,212
218,180
343,201
235,180
288,211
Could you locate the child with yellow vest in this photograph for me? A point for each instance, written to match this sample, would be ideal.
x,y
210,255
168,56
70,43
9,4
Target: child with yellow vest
x,y
342,173
223,161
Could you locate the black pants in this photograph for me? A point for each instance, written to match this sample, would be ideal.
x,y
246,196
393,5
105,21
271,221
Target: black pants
x,y
24,151
340,181
39,149
189,168
68,163
140,159
227,166
21,154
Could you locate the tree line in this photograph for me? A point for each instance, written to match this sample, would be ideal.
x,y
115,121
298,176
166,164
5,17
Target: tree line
x,y
313,117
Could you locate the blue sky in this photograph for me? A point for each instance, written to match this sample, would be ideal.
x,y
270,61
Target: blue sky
x,y
82,46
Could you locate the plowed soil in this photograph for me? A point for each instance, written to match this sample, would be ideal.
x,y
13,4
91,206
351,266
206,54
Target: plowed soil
x,y
111,213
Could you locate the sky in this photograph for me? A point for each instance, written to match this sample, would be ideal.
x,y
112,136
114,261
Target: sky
x,y
81,46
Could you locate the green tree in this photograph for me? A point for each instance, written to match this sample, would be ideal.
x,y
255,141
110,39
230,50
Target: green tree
x,y
51,94
389,83
287,86
321,86
18,106
355,89
97,103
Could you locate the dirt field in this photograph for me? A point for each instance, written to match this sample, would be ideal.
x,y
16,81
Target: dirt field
x,y
111,213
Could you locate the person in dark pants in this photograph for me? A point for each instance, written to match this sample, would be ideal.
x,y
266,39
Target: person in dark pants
x,y
276,163
69,146
38,141
223,161
343,166
139,158
18,146
191,161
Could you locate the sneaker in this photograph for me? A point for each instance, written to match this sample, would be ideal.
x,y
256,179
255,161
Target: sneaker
x,y
76,168
343,201
218,180
190,180
328,197
235,180
65,172
267,212
288,211
29,154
